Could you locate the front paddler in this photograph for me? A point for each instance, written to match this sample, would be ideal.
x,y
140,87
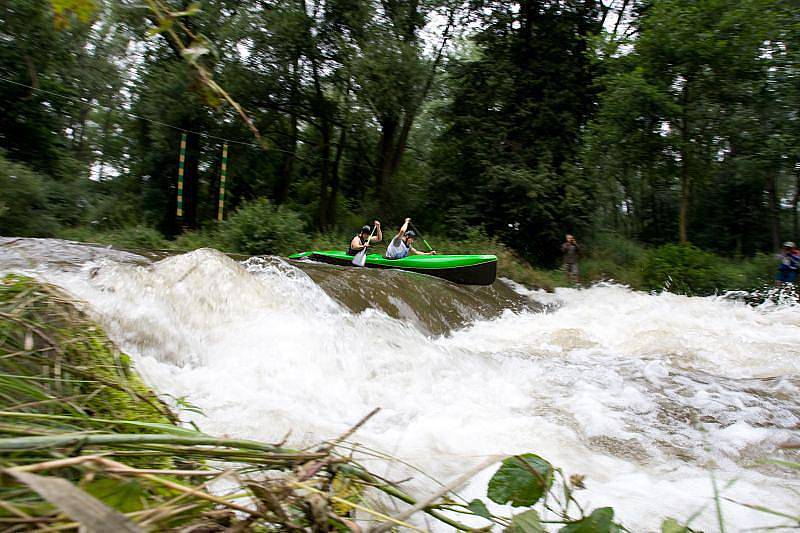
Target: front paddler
x,y
363,239
403,244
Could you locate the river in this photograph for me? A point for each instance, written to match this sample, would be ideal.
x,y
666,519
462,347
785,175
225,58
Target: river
x,y
646,395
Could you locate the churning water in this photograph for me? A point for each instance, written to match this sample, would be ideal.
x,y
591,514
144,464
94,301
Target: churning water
x,y
645,394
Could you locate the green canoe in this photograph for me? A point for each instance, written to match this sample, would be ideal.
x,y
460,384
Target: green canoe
x,y
464,269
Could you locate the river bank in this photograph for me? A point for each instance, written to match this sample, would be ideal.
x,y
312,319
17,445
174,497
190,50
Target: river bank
x,y
86,443
606,257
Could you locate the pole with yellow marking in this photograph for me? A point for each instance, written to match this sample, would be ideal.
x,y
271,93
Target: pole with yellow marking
x,y
222,176
181,163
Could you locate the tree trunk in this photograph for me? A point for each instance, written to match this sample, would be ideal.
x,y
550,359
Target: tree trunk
x,y
392,143
191,178
684,203
620,17
386,154
81,149
287,168
104,145
335,176
683,209
774,211
324,182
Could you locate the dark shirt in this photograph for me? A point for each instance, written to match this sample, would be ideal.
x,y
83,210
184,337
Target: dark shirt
x,y
571,252
351,251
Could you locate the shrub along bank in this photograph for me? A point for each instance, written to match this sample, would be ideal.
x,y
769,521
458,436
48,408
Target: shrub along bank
x,y
262,228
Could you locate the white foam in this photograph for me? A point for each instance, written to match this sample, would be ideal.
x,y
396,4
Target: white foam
x,y
642,393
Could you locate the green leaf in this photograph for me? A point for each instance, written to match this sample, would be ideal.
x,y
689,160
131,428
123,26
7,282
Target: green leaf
x,y
600,521
479,508
124,496
92,514
670,525
521,480
788,464
527,522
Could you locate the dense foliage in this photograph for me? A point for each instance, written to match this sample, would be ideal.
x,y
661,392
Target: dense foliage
x,y
261,228
662,121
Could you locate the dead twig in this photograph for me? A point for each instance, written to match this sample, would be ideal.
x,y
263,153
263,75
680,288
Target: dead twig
x,y
421,505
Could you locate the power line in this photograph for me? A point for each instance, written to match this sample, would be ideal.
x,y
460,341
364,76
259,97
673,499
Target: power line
x,y
164,124
133,115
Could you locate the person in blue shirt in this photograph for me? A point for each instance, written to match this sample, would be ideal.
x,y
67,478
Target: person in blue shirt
x,y
790,260
403,244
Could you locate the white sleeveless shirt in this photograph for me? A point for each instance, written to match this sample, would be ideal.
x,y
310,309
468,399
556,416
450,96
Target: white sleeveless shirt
x,y
397,249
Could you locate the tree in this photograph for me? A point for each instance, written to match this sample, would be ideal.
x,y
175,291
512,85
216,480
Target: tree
x,y
513,120
694,109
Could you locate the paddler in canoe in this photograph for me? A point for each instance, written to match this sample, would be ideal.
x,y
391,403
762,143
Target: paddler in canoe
x,y
365,238
402,244
471,269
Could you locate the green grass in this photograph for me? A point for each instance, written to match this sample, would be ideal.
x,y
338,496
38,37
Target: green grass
x,y
136,237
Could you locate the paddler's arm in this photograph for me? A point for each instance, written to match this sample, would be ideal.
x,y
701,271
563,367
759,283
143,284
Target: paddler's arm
x,y
355,244
403,229
414,251
378,237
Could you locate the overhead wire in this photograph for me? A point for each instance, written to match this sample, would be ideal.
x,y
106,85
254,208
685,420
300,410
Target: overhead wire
x,y
353,164
166,125
133,115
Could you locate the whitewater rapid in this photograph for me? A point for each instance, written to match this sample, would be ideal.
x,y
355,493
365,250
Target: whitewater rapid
x,y
645,394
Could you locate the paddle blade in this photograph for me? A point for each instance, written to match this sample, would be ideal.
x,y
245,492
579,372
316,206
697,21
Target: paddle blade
x,y
360,258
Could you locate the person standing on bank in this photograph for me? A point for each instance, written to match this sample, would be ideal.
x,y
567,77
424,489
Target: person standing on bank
x,y
789,262
403,244
363,239
572,253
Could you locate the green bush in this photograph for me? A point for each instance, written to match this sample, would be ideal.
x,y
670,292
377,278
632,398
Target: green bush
x,y
206,237
27,205
113,211
337,240
758,271
136,237
613,248
603,269
261,228
685,269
